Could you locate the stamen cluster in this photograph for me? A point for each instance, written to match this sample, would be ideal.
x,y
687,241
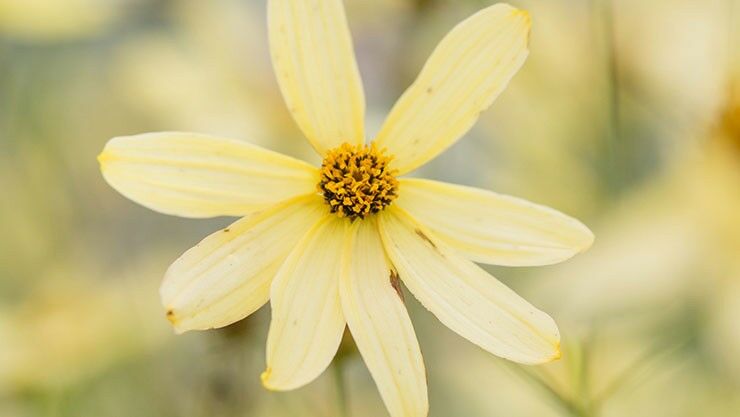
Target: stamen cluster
x,y
356,181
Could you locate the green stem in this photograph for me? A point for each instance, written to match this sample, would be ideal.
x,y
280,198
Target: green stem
x,y
566,404
341,391
580,375
640,367
614,144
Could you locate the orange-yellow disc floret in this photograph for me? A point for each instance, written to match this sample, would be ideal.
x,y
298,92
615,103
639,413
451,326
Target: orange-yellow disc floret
x,y
356,181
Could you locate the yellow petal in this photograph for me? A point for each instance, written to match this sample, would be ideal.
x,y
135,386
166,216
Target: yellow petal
x,y
466,298
194,175
380,324
307,322
314,62
464,75
493,228
227,276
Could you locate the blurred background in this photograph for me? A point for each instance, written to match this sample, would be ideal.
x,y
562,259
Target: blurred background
x,y
626,116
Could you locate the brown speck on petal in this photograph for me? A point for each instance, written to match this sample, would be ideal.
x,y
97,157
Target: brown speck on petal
x,y
425,237
396,284
171,316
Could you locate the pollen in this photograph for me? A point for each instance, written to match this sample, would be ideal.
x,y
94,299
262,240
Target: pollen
x,y
356,181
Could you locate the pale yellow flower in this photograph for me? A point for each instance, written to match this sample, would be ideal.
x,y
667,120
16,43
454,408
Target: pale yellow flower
x,y
328,246
55,20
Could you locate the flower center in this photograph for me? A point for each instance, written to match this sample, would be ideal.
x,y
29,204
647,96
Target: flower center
x,y
356,181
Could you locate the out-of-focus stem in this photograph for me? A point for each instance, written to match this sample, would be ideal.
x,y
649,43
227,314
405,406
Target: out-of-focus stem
x,y
341,391
567,404
640,367
582,377
615,143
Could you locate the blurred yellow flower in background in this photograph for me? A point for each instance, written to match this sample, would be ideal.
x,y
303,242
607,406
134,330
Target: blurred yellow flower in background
x,y
72,328
333,257
53,20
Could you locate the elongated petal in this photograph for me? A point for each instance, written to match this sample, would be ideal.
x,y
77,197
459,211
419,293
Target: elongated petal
x,y
466,298
314,62
493,228
307,320
380,324
194,175
464,75
227,276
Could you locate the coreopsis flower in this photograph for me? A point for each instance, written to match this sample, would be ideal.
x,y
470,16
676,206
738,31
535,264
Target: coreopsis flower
x,y
328,246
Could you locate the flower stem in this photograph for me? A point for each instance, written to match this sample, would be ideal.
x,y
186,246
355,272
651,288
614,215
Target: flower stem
x,y
615,143
341,391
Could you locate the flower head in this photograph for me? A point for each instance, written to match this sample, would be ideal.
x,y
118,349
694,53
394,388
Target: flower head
x,y
326,246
